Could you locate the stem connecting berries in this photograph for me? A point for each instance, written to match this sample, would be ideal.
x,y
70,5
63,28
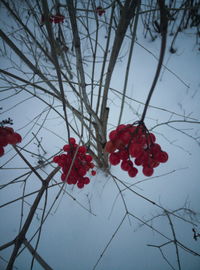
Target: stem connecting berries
x,y
135,142
75,164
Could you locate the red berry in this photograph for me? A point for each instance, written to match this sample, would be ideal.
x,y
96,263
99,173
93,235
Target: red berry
x,y
155,148
113,135
80,184
147,171
152,137
138,161
100,11
74,180
3,141
135,150
86,180
93,172
141,140
114,159
91,165
119,144
125,137
17,136
155,164
132,172
82,149
66,147
63,177
88,158
9,130
58,18
110,147
56,159
70,180
126,165
11,139
82,171
123,154
163,157
1,151
72,141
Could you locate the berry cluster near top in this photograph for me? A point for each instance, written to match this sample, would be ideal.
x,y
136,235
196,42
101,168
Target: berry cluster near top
x,y
75,164
100,11
8,136
57,18
133,145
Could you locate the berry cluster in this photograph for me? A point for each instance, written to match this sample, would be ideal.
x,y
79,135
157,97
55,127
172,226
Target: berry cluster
x,y
58,18
8,136
135,141
100,11
82,163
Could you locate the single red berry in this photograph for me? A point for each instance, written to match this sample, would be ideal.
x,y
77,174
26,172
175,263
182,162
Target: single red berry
x,y
1,151
66,147
70,180
126,165
56,159
123,154
91,165
119,144
74,180
80,184
58,18
138,161
113,135
86,180
93,172
155,148
17,136
132,172
110,147
3,141
152,137
82,171
136,150
147,171
125,137
72,141
63,177
120,128
155,164
114,159
163,157
100,11
82,149
88,158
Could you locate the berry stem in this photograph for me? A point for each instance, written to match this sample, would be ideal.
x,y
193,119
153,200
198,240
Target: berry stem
x,y
163,24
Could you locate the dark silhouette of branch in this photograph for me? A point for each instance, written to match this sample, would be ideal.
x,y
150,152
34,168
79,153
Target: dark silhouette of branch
x,y
21,236
163,25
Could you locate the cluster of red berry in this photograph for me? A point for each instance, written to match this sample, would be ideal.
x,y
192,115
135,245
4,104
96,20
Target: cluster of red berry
x,y
135,141
8,136
100,11
58,18
82,163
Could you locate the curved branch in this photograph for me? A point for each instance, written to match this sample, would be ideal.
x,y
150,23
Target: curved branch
x,y
163,26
